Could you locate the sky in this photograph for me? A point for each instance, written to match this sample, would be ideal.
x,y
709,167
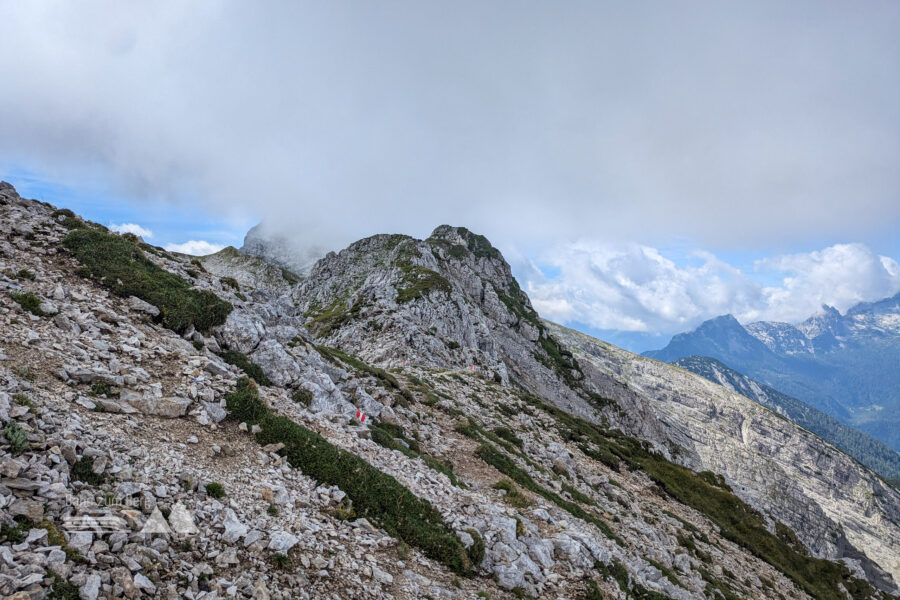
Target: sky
x,y
643,166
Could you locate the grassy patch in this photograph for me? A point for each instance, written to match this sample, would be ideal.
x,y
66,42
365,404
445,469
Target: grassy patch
x,y
83,470
374,494
513,496
383,378
119,264
333,317
500,461
392,436
243,363
29,303
419,282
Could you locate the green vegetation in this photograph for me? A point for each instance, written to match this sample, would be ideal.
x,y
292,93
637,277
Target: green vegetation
x,y
243,363
15,532
418,282
214,489
333,317
15,437
25,274
374,494
62,589
119,264
231,282
29,302
83,470
281,561
70,220
505,433
100,388
500,461
392,436
513,496
384,379
302,396
478,245
737,521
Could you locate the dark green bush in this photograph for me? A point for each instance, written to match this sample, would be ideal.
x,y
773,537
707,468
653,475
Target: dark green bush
x,y
505,465
16,437
243,363
231,282
29,302
513,496
505,433
70,220
302,396
476,550
83,470
214,489
120,265
374,494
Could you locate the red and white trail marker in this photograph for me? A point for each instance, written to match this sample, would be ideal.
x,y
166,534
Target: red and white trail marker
x,y
360,416
472,368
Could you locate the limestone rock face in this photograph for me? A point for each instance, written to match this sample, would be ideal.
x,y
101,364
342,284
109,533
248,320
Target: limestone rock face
x,y
838,508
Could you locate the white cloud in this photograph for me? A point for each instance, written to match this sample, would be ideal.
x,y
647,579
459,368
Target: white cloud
x,y
131,228
629,287
604,119
195,248
841,276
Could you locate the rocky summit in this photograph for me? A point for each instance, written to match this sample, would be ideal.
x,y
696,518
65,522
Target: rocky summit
x,y
395,422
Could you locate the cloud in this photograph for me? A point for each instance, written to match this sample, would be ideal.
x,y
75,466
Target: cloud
x,y
840,276
195,248
630,287
131,228
740,123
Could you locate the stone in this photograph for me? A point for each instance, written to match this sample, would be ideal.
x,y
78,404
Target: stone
x,y
234,529
91,588
282,541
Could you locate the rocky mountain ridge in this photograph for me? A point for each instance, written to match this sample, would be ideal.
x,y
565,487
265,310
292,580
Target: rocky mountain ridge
x,y
847,366
139,461
869,451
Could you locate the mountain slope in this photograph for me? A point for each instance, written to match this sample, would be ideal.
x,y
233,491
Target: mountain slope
x,y
847,366
138,460
772,464
869,451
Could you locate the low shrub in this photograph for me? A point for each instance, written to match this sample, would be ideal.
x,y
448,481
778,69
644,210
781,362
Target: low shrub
x,y
119,264
500,461
29,302
214,489
513,496
374,494
15,437
243,363
83,470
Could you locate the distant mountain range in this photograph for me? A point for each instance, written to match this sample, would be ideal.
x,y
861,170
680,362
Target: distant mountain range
x,y
847,366
874,454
